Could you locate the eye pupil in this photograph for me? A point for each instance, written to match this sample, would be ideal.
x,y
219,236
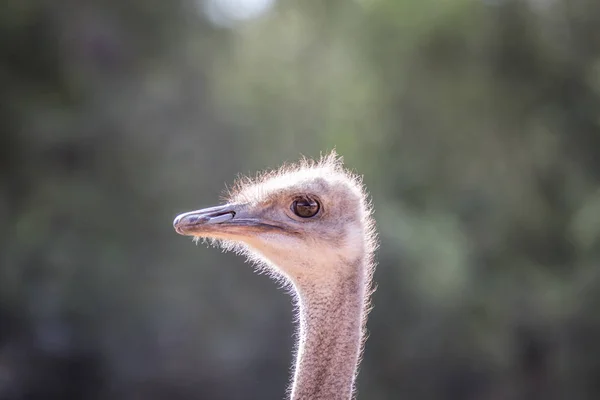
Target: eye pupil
x,y
305,208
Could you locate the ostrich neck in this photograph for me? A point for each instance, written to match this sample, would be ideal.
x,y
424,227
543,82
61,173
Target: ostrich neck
x,y
331,321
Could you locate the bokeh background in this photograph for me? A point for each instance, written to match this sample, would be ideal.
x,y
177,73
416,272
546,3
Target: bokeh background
x,y
476,125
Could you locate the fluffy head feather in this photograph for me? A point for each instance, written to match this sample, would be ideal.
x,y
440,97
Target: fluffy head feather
x,y
344,228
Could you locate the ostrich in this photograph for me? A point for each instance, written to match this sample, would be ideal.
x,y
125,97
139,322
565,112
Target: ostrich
x,y
310,226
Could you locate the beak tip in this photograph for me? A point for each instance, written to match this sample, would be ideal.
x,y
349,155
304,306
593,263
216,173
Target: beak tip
x,y
177,223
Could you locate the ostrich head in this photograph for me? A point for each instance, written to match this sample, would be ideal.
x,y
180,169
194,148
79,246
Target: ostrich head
x,y
307,221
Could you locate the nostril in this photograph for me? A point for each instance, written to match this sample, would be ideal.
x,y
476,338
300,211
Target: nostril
x,y
192,219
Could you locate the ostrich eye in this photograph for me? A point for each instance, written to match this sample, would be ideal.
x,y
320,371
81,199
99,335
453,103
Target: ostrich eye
x,y
306,207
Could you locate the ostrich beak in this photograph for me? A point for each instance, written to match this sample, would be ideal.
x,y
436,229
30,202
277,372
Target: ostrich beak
x,y
229,221
195,221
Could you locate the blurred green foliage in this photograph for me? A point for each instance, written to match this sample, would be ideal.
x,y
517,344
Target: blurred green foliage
x,y
475,124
